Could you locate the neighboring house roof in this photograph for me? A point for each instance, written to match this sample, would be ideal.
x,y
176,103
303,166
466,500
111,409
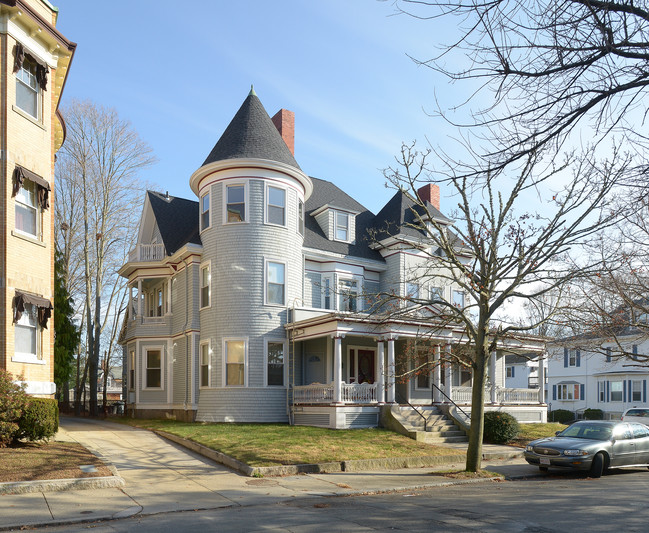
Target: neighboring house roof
x,y
515,359
326,193
251,135
177,220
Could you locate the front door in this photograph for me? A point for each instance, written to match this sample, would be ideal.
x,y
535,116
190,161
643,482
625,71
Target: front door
x,y
366,366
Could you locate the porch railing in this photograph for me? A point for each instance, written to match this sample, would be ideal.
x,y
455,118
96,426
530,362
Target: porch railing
x,y
358,393
147,252
503,395
315,393
321,393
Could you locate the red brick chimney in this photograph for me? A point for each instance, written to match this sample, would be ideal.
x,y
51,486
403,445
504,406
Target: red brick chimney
x,y
429,193
284,121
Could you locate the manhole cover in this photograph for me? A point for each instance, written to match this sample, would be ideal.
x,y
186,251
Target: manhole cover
x,y
261,482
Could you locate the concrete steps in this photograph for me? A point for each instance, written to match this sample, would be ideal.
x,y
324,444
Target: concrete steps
x,y
433,427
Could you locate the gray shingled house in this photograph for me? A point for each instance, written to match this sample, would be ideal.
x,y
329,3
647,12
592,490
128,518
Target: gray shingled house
x,y
253,304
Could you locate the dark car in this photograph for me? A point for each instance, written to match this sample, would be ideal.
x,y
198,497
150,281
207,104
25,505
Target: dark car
x,y
593,445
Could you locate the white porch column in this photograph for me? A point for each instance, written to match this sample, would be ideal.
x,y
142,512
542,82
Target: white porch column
x,y
391,372
492,375
168,309
380,372
139,297
541,374
448,374
437,374
131,305
338,368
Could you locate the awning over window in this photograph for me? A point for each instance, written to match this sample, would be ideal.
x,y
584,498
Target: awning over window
x,y
21,173
43,305
41,69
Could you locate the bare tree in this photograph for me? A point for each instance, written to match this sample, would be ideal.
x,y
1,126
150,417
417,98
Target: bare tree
x,y
511,240
98,168
543,71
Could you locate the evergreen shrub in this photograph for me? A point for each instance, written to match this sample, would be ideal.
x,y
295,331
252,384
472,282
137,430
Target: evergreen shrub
x,y
500,428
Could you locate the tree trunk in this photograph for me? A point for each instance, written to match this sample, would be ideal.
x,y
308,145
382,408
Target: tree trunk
x,y
474,451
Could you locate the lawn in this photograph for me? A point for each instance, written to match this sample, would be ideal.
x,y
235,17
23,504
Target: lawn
x,y
280,444
50,460
530,432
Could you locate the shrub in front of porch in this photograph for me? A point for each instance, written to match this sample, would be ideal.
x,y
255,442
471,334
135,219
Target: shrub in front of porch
x,y
561,415
593,414
500,428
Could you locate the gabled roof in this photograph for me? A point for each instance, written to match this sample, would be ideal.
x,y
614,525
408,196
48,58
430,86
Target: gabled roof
x,y
399,212
251,135
325,192
177,220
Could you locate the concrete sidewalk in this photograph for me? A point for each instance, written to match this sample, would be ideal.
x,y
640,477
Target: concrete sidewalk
x,y
160,476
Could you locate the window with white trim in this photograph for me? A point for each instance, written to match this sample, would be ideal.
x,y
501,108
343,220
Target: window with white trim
x,y
341,226
459,299
616,391
275,358
275,205
509,372
412,290
275,283
601,391
327,289
205,364
348,295
436,293
205,285
235,203
572,357
636,391
131,370
300,217
568,391
27,219
205,211
235,362
27,88
26,341
153,361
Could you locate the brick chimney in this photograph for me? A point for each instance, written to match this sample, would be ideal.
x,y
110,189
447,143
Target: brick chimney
x,y
430,193
284,121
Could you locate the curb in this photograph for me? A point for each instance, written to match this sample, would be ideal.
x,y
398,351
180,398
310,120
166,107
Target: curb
x,y
358,465
53,485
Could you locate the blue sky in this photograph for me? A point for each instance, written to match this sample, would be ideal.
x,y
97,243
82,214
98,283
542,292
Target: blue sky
x,y
180,71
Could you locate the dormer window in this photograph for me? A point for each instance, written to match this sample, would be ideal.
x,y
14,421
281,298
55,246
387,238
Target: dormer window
x,y
342,226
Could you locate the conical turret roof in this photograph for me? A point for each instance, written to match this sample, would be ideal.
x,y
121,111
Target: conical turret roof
x,y
251,134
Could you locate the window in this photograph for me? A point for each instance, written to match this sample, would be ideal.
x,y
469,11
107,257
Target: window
x,y
27,87
616,391
205,286
204,371
568,391
159,308
26,333
412,290
348,295
154,369
326,289
509,372
275,206
423,371
235,203
275,363
342,226
601,391
634,351
436,293
300,217
235,363
205,211
636,391
26,209
608,354
572,357
458,299
275,274
131,370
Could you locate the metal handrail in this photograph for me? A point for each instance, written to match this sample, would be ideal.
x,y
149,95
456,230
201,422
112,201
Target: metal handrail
x,y
450,400
416,411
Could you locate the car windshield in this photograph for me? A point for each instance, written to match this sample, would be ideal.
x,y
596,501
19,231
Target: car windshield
x,y
587,431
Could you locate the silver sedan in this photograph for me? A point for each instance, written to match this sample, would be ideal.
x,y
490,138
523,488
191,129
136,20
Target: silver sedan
x,y
593,445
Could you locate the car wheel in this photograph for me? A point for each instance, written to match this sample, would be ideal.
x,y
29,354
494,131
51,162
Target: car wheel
x,y
545,468
597,467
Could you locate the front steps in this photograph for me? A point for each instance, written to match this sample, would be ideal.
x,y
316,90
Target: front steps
x,y
437,429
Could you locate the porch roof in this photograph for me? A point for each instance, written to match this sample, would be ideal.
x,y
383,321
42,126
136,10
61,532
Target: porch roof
x,y
313,323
